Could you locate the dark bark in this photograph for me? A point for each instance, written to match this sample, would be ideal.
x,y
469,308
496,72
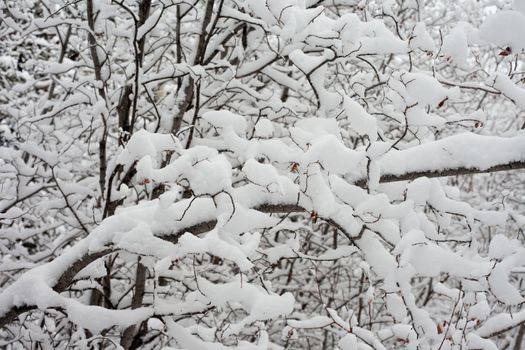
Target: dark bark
x,y
136,302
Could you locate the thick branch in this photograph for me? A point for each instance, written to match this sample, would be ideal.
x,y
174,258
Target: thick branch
x,y
385,178
61,285
461,154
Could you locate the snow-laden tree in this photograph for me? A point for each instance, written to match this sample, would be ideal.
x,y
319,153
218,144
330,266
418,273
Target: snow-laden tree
x,y
262,174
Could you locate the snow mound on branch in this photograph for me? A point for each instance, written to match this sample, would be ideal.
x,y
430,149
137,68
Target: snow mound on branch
x,y
455,46
225,119
420,38
505,28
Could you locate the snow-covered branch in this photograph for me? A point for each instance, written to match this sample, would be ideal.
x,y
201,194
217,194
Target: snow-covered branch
x,y
261,174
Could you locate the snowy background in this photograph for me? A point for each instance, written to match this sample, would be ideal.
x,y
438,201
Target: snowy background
x,y
262,174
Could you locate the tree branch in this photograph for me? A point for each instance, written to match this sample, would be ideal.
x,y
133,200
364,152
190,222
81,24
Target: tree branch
x,y
386,177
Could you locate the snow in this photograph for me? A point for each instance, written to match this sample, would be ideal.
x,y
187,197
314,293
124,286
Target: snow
x,y
501,321
500,247
281,78
258,303
421,39
97,318
504,29
59,68
341,160
252,66
476,342
140,145
263,175
396,307
224,119
380,260
499,282
150,23
308,63
263,128
518,5
455,46
431,260
425,89
360,121
377,38
210,176
462,150
509,89
348,342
